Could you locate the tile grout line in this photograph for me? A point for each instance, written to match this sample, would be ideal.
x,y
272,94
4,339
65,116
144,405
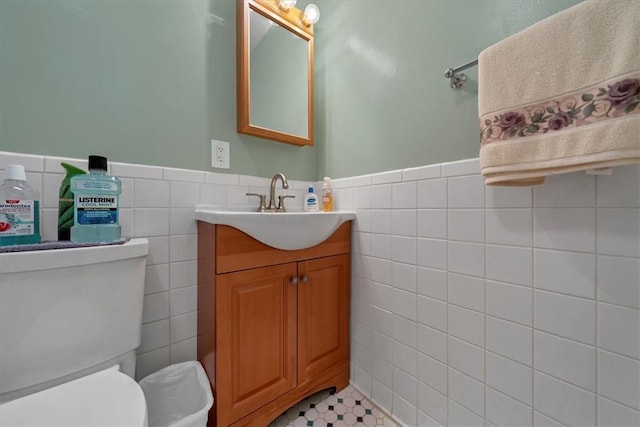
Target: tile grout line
x,y
533,306
484,280
446,192
415,228
596,299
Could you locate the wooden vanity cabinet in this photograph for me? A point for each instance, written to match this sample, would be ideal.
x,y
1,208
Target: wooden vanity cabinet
x,y
273,325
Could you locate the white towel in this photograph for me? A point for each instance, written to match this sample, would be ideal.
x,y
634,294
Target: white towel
x,y
562,95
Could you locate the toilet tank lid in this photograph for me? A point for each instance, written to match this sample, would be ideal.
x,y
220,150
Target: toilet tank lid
x,y
105,398
18,262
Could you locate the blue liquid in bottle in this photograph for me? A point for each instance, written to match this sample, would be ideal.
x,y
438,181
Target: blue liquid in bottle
x,y
19,209
96,204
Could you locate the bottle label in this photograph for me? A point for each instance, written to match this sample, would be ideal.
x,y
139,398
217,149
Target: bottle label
x,y
94,210
17,217
89,184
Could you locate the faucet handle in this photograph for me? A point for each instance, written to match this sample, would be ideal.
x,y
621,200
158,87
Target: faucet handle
x,y
281,198
263,201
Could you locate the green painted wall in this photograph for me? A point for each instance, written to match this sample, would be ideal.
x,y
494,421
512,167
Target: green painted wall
x,y
382,101
153,81
140,81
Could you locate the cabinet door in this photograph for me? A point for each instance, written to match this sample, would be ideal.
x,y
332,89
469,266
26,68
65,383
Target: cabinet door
x,y
323,315
256,339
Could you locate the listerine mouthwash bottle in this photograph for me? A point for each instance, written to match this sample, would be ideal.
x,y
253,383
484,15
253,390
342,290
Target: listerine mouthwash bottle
x,y
19,209
96,198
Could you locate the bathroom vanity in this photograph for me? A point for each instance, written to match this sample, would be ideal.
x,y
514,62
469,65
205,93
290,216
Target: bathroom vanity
x,y
273,324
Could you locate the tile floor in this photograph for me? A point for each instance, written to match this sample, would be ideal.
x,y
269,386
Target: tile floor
x,y
328,409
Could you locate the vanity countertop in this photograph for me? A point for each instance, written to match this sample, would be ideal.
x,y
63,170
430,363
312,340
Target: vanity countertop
x,y
287,231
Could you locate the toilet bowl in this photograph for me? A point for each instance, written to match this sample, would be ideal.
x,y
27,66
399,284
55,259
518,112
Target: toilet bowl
x,y
105,398
67,316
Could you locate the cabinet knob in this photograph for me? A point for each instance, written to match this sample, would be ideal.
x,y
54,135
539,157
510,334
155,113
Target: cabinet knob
x,y
294,280
305,278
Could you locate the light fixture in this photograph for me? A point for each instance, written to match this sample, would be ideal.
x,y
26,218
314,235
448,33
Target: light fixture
x,y
311,14
286,4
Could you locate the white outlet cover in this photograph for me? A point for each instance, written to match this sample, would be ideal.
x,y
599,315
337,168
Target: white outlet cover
x,y
220,154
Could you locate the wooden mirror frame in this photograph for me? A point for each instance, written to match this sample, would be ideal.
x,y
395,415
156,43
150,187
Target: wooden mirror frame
x,y
290,20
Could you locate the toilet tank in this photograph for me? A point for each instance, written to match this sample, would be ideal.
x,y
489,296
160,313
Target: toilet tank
x,y
66,313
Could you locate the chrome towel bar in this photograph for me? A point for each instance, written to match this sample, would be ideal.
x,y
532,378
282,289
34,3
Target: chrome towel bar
x,y
457,79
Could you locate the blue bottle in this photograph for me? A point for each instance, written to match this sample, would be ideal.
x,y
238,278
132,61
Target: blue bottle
x,y
96,198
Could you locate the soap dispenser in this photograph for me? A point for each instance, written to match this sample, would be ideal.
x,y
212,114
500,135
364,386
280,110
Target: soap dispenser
x,y
327,195
311,201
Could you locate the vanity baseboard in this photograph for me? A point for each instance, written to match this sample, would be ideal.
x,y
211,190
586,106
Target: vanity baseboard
x,y
337,378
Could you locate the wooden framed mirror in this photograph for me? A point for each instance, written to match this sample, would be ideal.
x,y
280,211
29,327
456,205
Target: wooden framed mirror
x,y
274,72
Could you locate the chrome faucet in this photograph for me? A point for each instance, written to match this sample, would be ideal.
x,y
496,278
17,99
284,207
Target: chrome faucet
x,y
272,196
272,192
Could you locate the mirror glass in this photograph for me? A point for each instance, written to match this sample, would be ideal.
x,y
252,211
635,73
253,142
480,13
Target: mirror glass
x,y
278,98
275,69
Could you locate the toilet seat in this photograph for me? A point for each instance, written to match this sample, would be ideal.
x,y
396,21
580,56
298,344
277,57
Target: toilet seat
x,y
106,398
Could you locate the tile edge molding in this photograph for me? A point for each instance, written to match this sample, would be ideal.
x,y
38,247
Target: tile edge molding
x,y
44,163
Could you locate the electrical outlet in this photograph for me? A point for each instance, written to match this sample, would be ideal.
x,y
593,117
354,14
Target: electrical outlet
x,y
219,154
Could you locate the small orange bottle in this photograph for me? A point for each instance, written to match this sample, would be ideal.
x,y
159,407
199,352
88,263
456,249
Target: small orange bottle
x,y
327,195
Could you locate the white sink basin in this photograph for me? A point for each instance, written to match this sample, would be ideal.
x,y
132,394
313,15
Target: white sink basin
x,y
288,231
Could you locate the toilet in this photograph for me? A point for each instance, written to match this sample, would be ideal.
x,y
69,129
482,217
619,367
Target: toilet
x,y
104,399
70,321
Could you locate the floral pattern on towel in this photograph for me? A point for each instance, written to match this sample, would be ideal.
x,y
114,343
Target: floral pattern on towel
x,y
620,98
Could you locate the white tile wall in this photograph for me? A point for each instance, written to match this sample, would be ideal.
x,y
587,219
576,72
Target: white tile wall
x,y
466,390
471,305
467,291
565,359
614,414
563,402
432,373
509,377
611,320
504,411
528,300
432,343
510,340
432,402
157,203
